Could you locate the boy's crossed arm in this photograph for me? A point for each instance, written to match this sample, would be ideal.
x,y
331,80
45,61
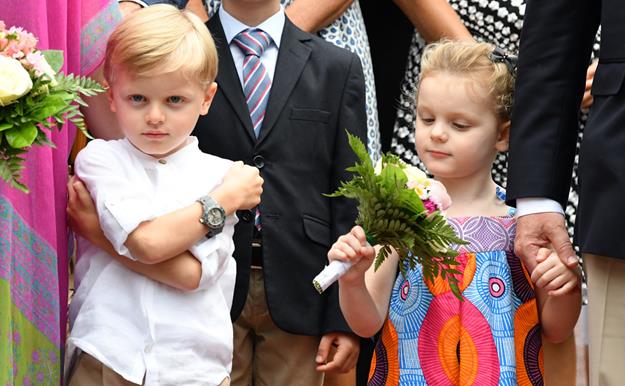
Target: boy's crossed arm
x,y
240,189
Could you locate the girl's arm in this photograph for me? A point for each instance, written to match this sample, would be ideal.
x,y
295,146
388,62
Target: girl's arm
x,y
364,295
434,19
182,272
558,296
313,15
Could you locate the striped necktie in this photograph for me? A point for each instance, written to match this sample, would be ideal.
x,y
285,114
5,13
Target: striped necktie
x,y
256,82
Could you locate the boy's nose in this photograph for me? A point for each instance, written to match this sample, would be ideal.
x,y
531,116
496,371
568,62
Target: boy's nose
x,y
154,116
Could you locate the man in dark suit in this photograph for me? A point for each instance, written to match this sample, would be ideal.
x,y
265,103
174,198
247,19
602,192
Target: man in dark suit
x,y
314,91
555,49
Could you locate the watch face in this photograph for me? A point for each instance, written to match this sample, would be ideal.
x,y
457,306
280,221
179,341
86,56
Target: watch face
x,y
215,218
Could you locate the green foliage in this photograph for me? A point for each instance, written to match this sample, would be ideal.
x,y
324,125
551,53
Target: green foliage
x,y
394,217
26,122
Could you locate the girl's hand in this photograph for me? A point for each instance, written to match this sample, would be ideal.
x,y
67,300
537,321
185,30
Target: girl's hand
x,y
353,247
552,275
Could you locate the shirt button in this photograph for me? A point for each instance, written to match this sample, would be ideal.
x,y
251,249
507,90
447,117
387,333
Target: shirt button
x,y
147,349
162,161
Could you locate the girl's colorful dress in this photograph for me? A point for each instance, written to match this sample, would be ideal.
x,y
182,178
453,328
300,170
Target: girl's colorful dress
x,y
492,337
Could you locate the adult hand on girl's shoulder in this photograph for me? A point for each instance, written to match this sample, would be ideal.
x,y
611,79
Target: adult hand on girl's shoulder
x,y
552,276
353,247
337,352
538,230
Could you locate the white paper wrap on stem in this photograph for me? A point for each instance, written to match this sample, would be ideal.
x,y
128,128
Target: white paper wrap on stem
x,y
331,273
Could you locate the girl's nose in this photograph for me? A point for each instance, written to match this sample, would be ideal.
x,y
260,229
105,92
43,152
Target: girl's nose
x,y
438,132
154,116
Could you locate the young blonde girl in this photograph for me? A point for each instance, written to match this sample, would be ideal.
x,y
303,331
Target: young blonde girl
x,y
494,336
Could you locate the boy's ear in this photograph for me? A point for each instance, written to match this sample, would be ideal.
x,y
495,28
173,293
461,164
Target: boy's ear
x,y
503,137
209,94
109,95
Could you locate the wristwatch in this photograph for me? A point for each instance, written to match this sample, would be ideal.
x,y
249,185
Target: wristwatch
x,y
213,215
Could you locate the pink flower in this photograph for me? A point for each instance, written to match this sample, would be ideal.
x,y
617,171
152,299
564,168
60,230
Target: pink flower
x,y
438,195
430,206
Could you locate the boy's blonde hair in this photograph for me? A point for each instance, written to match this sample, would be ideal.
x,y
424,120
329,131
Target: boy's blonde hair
x,y
161,39
467,58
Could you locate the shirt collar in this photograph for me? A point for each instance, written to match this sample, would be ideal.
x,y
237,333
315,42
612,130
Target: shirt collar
x,y
273,26
183,154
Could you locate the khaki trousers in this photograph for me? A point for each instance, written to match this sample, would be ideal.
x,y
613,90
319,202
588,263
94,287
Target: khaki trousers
x,y
91,372
606,319
264,355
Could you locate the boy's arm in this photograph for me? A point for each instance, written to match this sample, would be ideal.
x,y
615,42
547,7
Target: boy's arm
x,y
153,241
182,272
128,217
558,309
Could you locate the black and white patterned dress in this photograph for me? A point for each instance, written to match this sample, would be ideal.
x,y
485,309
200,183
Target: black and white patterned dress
x,y
348,31
497,22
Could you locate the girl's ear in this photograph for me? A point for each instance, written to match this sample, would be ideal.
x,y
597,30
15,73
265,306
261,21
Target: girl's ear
x,y
503,137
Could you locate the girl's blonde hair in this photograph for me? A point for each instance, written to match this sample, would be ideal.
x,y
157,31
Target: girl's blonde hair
x,y
467,58
161,39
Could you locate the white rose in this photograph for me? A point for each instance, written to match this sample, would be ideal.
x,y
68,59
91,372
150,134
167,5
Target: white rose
x,y
14,80
415,175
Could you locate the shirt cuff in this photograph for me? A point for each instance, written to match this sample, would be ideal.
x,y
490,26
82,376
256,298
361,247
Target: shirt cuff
x,y
120,217
532,205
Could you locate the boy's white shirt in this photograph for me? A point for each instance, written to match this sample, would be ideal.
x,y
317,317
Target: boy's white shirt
x,y
273,26
132,324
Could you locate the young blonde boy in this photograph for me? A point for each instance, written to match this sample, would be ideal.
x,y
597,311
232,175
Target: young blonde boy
x,y
155,285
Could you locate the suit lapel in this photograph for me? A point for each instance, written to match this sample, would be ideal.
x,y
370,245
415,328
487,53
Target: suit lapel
x,y
292,58
227,79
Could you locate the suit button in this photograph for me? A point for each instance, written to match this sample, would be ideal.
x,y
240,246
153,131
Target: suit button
x,y
245,215
259,161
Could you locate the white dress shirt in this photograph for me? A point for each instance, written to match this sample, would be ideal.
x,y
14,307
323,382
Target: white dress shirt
x,y
134,325
272,26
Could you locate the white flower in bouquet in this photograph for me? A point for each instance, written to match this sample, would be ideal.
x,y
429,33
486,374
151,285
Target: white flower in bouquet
x,y
34,97
14,80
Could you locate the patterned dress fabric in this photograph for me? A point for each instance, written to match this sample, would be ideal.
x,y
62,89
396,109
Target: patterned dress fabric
x,y
33,232
491,337
348,31
494,21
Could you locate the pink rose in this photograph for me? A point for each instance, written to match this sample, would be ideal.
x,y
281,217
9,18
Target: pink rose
x,y
438,194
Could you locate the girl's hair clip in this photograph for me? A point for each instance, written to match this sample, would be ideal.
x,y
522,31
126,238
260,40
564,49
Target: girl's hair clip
x,y
500,56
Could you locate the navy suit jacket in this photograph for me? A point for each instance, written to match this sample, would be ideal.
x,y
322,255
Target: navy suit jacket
x,y
556,43
317,93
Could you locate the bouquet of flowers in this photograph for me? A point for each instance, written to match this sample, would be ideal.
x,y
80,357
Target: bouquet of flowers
x,y
33,97
399,208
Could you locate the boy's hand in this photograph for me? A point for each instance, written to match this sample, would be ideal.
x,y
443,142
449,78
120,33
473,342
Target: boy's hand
x,y
82,214
552,275
337,352
353,247
241,188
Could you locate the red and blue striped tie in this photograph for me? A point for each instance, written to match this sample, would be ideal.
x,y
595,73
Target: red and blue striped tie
x,y
256,81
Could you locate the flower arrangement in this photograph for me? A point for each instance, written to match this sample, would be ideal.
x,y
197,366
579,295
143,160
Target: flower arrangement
x,y
399,208
34,97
